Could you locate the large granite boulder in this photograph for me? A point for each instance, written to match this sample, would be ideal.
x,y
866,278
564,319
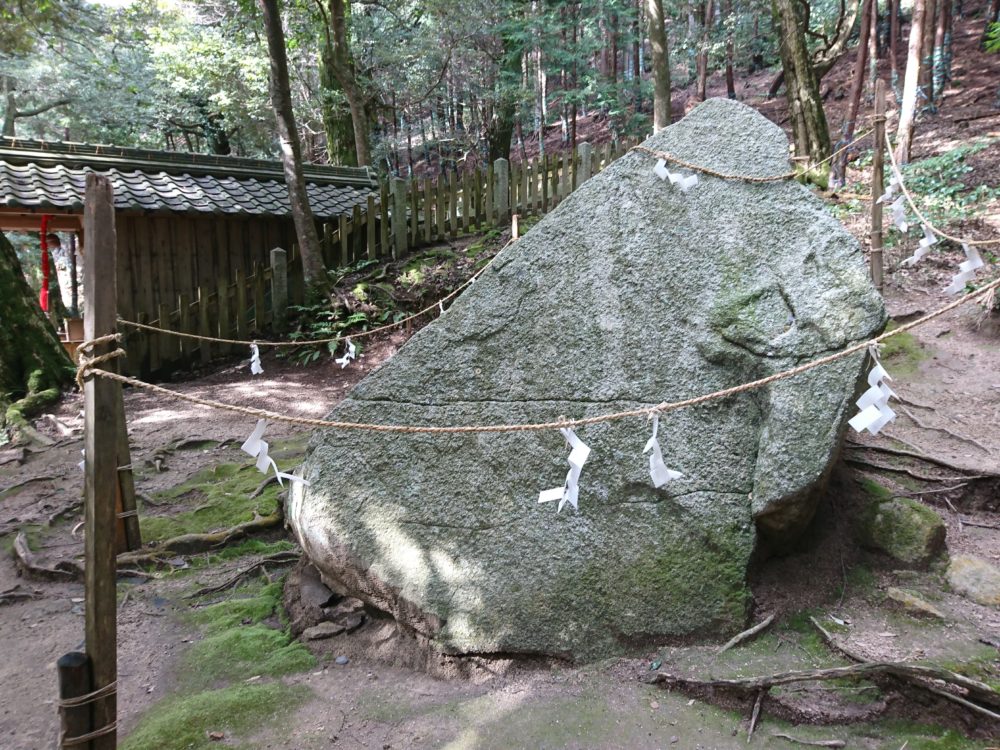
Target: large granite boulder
x,y
628,294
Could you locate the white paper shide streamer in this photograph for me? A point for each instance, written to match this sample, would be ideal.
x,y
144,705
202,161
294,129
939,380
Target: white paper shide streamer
x,y
658,470
257,447
570,491
898,210
255,367
874,403
350,354
685,183
923,247
966,270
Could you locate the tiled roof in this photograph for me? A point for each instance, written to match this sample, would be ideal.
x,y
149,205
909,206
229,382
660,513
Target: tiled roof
x,y
43,176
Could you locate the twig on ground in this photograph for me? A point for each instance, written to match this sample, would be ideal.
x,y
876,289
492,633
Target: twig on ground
x,y
263,485
746,634
755,714
967,522
910,454
919,493
277,558
813,743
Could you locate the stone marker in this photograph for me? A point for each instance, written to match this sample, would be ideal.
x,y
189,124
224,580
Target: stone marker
x,y
628,294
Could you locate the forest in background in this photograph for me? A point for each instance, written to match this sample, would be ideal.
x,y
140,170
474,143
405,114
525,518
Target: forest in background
x,y
424,85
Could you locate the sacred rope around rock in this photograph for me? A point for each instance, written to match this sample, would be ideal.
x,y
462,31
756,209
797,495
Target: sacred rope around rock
x,y
89,367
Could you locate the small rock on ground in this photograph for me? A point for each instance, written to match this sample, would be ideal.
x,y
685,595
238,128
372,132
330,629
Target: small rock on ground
x,y
913,604
975,579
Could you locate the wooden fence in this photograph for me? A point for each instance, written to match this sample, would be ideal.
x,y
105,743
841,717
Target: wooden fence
x,y
405,215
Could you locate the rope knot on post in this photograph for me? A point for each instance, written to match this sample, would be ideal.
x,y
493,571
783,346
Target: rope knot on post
x,y
85,363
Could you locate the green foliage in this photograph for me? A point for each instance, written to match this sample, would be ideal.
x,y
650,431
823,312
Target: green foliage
x,y
992,41
939,183
184,722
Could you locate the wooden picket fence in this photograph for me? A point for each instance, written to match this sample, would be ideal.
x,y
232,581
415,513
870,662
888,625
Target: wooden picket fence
x,y
405,215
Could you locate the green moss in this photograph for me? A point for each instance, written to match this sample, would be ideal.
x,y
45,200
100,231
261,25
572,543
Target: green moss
x,y
902,528
875,490
925,737
242,652
902,353
251,605
221,499
183,722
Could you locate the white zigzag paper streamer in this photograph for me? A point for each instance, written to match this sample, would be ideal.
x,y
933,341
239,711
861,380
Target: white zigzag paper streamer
x,y
966,270
570,491
874,403
258,448
923,247
898,209
255,368
658,470
890,190
676,178
350,354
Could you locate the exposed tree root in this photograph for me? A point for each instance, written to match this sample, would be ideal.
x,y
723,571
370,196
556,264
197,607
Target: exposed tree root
x,y
746,634
919,456
276,559
30,566
189,544
18,594
812,743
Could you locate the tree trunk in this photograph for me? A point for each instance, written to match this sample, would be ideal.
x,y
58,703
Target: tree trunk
x,y
908,107
706,26
33,363
941,30
499,131
337,124
925,80
636,68
894,48
873,51
291,151
661,65
809,128
854,98
343,68
730,54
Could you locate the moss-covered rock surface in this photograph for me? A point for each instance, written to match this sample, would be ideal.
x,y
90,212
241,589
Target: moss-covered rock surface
x,y
903,529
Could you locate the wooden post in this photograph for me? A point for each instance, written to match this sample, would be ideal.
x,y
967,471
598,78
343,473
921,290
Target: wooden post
x,y
370,227
102,398
279,289
168,343
383,228
184,325
466,202
398,217
342,234
225,319
204,347
453,205
586,156
129,534
514,228
357,237
259,315
501,168
428,212
877,187
414,201
74,681
491,217
242,325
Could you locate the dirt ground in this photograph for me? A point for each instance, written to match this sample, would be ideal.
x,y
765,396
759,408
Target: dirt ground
x,y
948,377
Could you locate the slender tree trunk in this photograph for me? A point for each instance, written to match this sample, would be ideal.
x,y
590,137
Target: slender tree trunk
x,y
894,48
873,50
33,363
636,67
809,128
854,98
613,42
925,79
706,27
941,31
343,67
730,23
908,107
661,65
291,152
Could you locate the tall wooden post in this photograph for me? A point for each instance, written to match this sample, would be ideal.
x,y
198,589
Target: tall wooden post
x,y
74,682
101,399
279,289
877,187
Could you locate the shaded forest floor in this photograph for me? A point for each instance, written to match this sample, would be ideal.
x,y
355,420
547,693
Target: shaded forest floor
x,y
221,662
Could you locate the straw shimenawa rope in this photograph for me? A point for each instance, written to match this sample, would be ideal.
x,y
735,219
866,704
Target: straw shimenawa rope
x,y
86,368
924,219
667,156
308,342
